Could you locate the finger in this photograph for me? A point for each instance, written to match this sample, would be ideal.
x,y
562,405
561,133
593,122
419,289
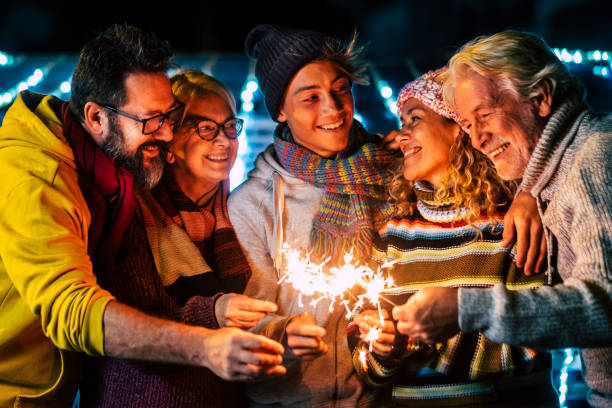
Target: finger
x,y
385,338
249,304
250,372
534,250
508,233
541,263
382,349
303,342
259,358
309,330
246,316
241,324
522,243
305,351
258,342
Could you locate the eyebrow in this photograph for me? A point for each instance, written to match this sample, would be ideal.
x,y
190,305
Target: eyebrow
x,y
309,87
201,118
157,112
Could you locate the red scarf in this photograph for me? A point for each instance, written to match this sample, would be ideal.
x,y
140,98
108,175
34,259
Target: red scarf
x,y
107,188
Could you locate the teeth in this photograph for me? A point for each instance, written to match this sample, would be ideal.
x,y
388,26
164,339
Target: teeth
x,y
332,126
211,157
149,148
499,149
411,151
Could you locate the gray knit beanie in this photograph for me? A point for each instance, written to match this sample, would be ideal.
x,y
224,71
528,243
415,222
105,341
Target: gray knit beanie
x,y
280,53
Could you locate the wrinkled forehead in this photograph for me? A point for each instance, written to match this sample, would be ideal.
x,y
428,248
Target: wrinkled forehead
x,y
473,91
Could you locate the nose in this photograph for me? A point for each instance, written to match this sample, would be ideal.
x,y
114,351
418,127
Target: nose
x,y
164,133
332,103
221,138
402,135
479,137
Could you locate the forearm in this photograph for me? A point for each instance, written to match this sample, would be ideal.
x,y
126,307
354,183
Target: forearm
x,y
575,314
131,334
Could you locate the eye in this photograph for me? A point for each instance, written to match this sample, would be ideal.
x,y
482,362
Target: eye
x,y
310,98
414,119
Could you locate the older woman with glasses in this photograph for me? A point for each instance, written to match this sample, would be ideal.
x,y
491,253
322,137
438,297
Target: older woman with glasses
x,y
189,265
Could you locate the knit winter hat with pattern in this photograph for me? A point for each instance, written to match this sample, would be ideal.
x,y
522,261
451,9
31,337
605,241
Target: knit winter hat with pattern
x,y
428,90
280,53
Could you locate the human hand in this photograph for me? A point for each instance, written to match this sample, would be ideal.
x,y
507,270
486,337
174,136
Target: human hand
x,y
430,315
523,217
236,310
389,141
237,355
368,319
304,336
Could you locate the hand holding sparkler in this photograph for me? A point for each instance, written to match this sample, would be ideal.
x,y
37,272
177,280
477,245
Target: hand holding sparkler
x,y
380,337
430,315
237,310
305,337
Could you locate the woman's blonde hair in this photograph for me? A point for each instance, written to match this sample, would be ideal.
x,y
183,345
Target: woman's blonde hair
x,y
191,84
471,182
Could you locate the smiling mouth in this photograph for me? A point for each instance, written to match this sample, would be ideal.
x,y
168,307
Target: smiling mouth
x,y
217,157
411,151
332,126
499,150
151,149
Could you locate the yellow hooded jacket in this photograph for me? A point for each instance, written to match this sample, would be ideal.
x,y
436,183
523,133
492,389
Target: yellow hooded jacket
x,y
50,303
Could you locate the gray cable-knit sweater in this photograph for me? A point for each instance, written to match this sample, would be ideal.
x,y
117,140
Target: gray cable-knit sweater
x,y
570,175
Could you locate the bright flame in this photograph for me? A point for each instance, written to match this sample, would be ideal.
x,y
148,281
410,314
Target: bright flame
x,y
313,280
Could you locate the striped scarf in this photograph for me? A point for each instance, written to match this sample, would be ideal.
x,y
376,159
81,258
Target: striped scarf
x,y
187,240
355,200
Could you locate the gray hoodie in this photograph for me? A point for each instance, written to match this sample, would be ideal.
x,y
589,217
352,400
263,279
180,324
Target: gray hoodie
x,y
270,208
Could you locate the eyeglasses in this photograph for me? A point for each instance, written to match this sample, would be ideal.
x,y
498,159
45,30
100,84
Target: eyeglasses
x,y
208,129
154,123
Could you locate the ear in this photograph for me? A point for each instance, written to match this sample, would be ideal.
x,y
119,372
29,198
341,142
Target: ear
x,y
281,116
95,121
542,101
170,158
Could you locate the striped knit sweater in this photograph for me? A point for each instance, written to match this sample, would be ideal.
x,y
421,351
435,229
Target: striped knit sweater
x,y
570,174
436,246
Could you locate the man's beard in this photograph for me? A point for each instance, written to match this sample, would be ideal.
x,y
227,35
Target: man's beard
x,y
144,176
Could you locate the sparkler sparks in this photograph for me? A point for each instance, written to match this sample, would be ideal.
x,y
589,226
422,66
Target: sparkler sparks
x,y
336,283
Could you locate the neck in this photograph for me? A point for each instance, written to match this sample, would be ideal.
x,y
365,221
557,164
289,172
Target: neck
x,y
193,187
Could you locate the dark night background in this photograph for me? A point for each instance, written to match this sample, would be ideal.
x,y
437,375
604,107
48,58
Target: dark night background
x,y
404,39
422,30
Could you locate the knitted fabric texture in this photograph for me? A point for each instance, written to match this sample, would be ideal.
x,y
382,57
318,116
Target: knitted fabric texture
x,y
177,229
355,204
439,248
280,53
429,92
115,382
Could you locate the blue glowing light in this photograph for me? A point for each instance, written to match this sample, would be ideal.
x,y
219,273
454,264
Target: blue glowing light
x,y
252,86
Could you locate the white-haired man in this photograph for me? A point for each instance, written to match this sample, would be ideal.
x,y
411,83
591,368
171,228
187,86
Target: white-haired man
x,y
526,112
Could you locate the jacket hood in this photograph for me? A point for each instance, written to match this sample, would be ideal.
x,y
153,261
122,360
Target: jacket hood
x,y
33,121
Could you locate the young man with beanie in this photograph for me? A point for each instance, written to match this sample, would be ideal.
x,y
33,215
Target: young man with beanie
x,y
527,113
66,201
319,188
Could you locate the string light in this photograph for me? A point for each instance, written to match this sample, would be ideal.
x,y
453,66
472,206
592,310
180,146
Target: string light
x,y
569,359
5,59
247,96
31,81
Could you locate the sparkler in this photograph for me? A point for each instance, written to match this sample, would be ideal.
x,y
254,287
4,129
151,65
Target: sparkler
x,y
336,283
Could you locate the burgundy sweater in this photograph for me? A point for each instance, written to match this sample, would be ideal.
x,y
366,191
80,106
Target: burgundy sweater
x,y
111,382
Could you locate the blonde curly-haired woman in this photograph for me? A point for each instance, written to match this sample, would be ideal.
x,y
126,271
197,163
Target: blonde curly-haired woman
x,y
447,232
